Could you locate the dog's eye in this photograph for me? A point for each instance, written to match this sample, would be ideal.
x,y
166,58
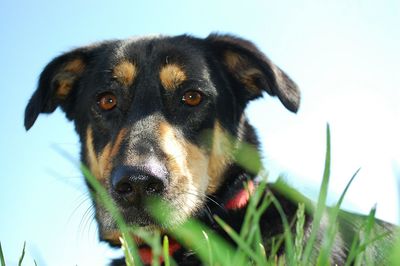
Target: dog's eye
x,y
107,101
192,98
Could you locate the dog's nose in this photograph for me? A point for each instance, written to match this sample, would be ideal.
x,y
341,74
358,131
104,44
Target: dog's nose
x,y
132,185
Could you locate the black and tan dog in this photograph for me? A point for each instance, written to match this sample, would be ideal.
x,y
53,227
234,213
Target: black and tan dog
x,y
141,108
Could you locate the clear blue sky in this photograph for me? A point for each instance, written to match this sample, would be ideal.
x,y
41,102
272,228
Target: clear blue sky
x,y
343,54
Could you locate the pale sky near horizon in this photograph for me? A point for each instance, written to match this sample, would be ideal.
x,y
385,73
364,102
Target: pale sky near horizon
x,y
344,55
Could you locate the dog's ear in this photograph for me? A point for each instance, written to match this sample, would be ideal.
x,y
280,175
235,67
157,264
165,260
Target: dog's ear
x,y
250,68
56,84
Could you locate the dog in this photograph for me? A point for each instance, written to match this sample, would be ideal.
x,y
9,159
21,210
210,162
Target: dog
x,y
142,108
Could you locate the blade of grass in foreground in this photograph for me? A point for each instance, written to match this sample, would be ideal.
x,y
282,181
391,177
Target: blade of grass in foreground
x,y
2,260
131,254
323,257
287,233
250,230
239,241
209,248
321,204
362,258
132,257
395,252
22,255
195,236
299,238
251,209
166,251
191,234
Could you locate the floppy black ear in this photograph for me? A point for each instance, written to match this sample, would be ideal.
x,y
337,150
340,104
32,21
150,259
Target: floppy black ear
x,y
56,83
247,65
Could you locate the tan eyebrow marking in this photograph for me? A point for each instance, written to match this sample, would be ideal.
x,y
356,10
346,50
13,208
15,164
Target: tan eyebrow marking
x,y
75,66
171,76
125,73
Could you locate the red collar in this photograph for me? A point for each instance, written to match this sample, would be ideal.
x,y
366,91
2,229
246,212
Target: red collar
x,y
239,201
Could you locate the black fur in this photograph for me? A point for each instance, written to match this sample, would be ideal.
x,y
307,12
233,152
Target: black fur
x,y
228,72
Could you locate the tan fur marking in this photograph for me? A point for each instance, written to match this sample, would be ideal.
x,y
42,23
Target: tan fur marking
x,y
75,66
242,69
204,172
109,152
232,60
118,141
219,158
64,88
249,78
91,154
125,73
187,165
113,237
67,76
172,76
104,162
101,164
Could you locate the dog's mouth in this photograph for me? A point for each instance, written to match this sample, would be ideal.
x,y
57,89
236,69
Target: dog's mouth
x,y
145,251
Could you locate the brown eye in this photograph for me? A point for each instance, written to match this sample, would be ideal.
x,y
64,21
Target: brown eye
x,y
192,98
107,101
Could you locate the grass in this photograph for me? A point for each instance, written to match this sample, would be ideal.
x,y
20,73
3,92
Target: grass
x,y
249,250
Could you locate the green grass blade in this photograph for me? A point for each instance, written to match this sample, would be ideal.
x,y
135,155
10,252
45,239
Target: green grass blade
x,y
340,201
362,258
2,260
210,254
250,230
156,248
395,252
299,238
253,234
252,209
125,249
22,255
321,204
292,194
263,254
166,251
289,250
248,157
362,239
193,235
326,249
353,250
132,257
238,240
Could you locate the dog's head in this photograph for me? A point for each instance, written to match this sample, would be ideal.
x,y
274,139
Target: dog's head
x,y
141,108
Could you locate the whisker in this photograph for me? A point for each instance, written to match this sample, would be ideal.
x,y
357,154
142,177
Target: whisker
x,y
215,202
87,221
81,199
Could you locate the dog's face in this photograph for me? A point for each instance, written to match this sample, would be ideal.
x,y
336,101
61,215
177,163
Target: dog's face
x,y
154,116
